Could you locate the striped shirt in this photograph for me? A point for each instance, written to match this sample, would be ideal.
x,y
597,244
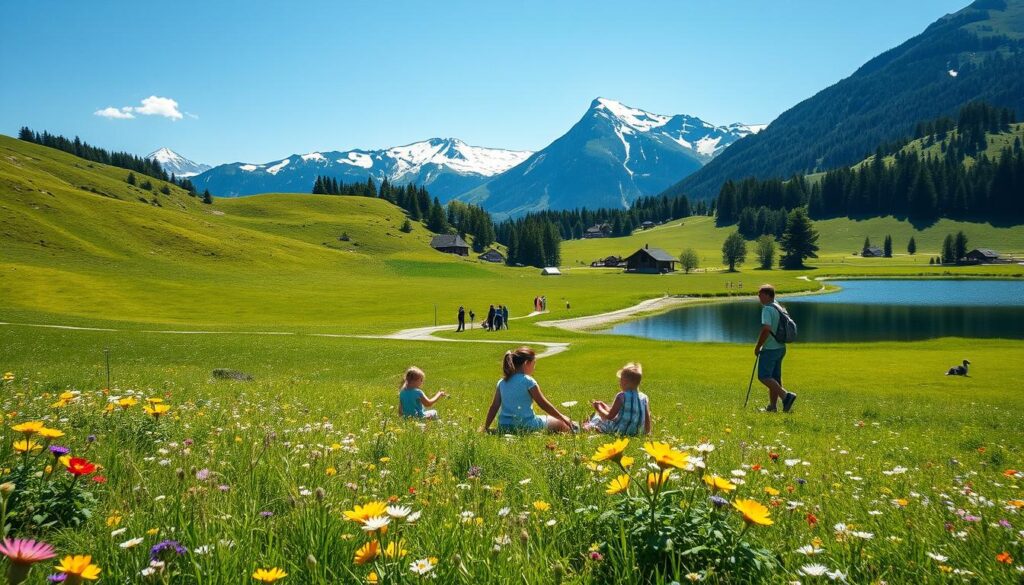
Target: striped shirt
x,y
631,417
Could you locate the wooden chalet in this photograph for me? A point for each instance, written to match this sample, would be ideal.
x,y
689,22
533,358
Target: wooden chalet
x,y
597,231
450,244
609,262
872,252
492,256
982,256
649,260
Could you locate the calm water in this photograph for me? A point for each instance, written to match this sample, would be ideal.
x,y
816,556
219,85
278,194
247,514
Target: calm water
x,y
865,310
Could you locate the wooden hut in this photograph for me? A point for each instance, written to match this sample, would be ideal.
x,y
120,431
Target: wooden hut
x,y
649,260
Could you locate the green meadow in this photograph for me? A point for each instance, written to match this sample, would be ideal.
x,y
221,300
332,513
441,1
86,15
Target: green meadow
x,y
886,471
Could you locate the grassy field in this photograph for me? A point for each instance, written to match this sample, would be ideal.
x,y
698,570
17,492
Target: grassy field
x,y
887,470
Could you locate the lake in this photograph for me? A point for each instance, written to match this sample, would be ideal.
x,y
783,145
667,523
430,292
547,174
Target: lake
x,y
864,310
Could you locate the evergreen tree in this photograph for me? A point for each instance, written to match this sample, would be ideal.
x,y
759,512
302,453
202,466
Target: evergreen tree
x,y
867,243
131,179
734,250
207,198
887,247
406,226
923,198
765,250
799,241
948,252
911,246
689,260
959,247
436,221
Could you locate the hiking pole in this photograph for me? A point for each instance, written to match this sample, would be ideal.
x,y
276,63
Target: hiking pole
x,y
751,384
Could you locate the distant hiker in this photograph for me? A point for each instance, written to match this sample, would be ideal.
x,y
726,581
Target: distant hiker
x,y
411,398
567,304
504,315
630,412
499,318
489,323
543,303
515,395
536,304
472,318
959,370
769,351
462,319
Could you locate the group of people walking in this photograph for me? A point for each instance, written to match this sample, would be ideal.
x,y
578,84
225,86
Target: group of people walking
x,y
497,318
517,392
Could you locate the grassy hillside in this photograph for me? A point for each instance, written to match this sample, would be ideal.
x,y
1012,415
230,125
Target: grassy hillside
x,y
839,239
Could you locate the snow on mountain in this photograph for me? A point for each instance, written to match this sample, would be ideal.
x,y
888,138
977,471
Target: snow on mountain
x,y
173,162
613,155
447,166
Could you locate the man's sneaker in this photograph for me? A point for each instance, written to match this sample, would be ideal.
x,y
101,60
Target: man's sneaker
x,y
787,401
770,408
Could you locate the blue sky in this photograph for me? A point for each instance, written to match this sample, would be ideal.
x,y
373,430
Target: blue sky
x,y
257,81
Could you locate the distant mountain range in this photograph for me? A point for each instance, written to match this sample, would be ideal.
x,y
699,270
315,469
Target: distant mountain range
x,y
446,166
974,54
613,155
173,162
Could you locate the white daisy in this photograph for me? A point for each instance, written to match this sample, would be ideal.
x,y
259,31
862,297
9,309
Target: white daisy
x,y
376,523
399,511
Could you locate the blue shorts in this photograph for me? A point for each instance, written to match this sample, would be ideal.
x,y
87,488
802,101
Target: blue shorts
x,y
769,364
537,423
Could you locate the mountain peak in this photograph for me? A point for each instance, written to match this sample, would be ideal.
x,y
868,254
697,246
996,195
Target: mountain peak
x,y
635,118
173,162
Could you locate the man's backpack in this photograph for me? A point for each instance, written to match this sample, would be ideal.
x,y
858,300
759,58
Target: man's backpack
x,y
786,331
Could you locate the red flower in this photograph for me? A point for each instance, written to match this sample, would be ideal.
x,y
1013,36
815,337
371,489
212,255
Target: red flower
x,y
99,479
79,466
755,467
1004,557
811,519
412,490
773,456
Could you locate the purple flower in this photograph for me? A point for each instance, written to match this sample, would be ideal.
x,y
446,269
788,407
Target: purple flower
x,y
57,578
266,513
801,480
90,439
166,550
719,501
187,442
203,474
972,518
1005,523
59,450
474,472
224,488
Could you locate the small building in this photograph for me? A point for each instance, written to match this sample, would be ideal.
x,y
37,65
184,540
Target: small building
x,y
649,260
609,262
450,244
597,231
872,252
647,225
492,256
982,256
550,271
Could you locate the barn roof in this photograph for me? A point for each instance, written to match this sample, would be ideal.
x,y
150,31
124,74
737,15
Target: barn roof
x,y
985,252
448,241
656,253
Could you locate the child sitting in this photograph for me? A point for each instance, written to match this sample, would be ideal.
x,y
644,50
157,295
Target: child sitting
x,y
630,413
411,398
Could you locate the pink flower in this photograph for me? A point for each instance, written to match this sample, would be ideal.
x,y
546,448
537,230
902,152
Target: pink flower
x,y
25,551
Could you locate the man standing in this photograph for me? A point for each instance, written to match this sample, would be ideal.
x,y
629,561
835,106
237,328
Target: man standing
x,y
462,319
770,352
504,315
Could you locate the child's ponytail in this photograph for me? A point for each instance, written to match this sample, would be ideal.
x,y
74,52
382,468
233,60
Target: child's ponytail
x,y
514,360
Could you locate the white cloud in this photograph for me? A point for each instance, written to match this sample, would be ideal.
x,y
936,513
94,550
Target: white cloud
x,y
116,114
151,106
159,106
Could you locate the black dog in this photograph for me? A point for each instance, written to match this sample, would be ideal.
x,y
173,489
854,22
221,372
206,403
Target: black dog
x,y
959,370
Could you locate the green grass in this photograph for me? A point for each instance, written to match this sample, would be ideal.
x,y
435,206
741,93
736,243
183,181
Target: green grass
x,y
70,256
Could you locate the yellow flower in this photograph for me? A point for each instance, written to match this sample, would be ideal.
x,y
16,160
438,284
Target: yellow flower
x,y
771,491
269,575
902,502
618,485
394,550
1016,503
25,446
8,376
127,402
109,407
80,566
363,513
656,480
626,461
29,428
611,451
541,506
331,472
154,400
153,531
50,433
367,552
372,578
65,460
155,410
753,512
665,456
719,483
113,519
385,459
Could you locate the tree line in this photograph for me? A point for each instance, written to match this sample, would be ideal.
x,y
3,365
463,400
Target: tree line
x,y
533,240
961,182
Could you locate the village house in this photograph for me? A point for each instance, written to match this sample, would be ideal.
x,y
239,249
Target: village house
x,y
982,256
609,262
649,260
647,225
872,252
450,244
492,256
597,231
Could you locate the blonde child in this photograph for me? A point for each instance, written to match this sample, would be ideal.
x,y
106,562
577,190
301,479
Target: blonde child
x,y
411,398
630,412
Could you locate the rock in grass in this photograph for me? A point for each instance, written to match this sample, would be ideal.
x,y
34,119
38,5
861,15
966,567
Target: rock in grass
x,y
226,374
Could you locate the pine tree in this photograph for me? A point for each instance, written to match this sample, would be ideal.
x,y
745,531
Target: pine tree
x,y
406,226
436,221
734,250
887,247
131,179
911,246
799,240
765,250
867,243
959,247
948,252
207,198
923,198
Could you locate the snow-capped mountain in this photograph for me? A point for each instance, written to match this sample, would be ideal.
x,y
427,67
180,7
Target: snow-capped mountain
x,y
173,162
447,166
613,155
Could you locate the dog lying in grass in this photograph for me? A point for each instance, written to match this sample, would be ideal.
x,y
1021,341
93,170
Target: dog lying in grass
x,y
959,370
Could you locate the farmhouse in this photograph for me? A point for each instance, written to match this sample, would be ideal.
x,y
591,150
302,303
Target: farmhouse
x,y
597,231
872,252
651,261
450,244
492,256
647,225
609,262
982,256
